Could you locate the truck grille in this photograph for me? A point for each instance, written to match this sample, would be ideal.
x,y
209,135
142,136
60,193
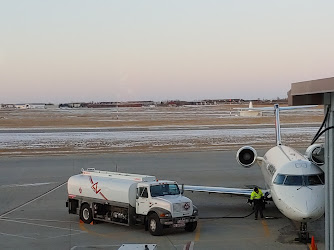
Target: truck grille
x,y
183,207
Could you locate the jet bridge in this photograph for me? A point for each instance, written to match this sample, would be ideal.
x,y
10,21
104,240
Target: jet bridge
x,y
321,92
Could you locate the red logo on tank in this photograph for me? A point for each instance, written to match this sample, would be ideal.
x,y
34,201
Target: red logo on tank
x,y
95,188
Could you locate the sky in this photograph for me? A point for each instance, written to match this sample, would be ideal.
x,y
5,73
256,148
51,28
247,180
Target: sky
x,y
104,50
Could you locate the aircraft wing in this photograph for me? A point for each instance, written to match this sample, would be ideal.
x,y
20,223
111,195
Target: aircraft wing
x,y
223,190
219,190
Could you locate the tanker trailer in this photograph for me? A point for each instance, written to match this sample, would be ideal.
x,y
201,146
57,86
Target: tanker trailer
x,y
129,199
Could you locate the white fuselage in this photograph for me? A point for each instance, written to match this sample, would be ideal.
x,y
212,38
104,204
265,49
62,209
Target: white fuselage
x,y
295,184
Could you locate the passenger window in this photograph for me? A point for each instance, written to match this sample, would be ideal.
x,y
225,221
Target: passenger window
x,y
271,169
294,180
279,179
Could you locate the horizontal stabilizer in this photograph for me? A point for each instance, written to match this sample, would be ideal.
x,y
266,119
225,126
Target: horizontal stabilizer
x,y
280,108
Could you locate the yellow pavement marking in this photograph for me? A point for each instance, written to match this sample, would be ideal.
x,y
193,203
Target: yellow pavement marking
x,y
198,231
265,228
108,235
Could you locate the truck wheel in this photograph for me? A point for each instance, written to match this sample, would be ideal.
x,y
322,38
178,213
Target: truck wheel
x,y
191,226
86,213
154,225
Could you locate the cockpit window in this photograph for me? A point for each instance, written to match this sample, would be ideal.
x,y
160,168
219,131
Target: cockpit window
x,y
322,178
294,180
279,179
313,180
300,180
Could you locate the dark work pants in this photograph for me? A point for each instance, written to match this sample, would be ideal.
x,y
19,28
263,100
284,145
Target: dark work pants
x,y
258,207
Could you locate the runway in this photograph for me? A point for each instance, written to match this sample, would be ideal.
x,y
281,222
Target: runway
x,y
33,213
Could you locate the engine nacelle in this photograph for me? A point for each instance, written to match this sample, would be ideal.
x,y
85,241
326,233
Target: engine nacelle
x,y
246,156
315,153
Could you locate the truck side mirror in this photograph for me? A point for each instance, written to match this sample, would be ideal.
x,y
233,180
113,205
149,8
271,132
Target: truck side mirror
x,y
182,188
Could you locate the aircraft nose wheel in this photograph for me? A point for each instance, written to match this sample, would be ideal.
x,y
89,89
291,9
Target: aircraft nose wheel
x,y
303,234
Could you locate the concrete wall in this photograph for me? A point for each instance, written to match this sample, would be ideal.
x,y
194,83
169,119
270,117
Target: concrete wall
x,y
310,92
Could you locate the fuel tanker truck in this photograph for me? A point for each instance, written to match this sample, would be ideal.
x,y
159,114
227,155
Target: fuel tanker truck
x,y
129,199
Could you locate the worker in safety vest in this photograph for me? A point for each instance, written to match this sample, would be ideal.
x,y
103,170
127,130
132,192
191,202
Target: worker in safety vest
x,y
257,198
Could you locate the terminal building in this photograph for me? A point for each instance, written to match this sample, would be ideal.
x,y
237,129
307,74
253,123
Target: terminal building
x,y
321,92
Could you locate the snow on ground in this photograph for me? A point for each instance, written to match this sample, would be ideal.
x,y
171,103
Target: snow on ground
x,y
179,138
157,129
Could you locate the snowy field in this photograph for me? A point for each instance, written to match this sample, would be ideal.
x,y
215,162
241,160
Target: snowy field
x,y
154,130
118,141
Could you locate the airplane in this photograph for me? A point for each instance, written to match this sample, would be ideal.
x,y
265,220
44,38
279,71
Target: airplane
x,y
293,181
250,111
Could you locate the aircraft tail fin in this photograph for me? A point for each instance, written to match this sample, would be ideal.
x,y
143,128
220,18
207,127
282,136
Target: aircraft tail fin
x,y
277,109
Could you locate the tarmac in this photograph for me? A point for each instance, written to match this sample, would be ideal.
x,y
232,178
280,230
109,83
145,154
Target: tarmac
x,y
33,213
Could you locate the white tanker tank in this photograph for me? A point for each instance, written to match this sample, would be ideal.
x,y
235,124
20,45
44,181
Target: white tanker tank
x,y
128,199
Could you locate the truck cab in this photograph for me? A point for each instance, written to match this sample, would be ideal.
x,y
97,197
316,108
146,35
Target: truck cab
x,y
162,203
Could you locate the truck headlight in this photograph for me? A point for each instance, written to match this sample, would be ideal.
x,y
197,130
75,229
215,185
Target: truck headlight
x,y
165,215
195,211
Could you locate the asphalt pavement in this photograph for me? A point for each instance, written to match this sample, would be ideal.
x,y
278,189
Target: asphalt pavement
x,y
33,213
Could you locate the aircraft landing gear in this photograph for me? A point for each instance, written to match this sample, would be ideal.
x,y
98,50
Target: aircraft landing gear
x,y
303,234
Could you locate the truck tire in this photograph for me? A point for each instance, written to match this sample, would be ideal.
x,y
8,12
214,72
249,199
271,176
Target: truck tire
x,y
191,226
154,225
86,214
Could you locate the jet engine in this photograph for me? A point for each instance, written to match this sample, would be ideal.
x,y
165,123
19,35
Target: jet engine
x,y
315,153
246,156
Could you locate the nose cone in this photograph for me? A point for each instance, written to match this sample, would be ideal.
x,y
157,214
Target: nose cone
x,y
302,204
309,210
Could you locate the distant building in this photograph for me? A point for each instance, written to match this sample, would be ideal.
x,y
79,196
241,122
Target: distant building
x,y
70,105
30,106
37,105
50,106
22,106
76,105
8,106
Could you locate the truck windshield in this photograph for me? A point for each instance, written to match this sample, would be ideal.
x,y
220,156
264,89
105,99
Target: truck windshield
x,y
164,189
